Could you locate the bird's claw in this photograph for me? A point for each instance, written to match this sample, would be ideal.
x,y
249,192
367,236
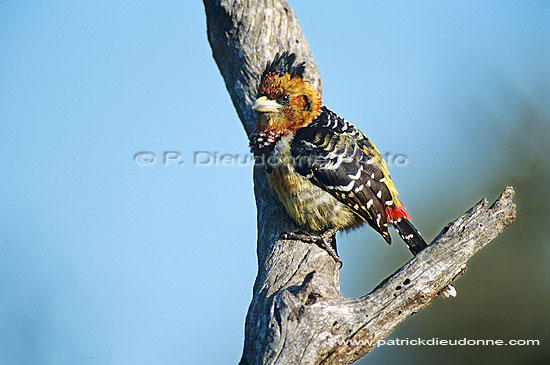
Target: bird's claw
x,y
322,240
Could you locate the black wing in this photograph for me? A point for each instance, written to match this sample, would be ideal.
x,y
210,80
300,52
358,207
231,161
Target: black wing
x,y
345,164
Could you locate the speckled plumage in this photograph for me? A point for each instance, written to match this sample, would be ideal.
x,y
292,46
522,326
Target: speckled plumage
x,y
325,171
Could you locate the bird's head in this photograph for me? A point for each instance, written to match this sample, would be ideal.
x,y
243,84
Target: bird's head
x,y
285,100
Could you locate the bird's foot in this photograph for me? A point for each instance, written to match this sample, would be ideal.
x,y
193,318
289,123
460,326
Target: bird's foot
x,y
323,240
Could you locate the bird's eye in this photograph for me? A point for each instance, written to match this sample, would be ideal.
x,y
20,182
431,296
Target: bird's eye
x,y
285,97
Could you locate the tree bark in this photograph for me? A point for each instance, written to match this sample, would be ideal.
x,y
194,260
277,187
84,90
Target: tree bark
x,y
297,314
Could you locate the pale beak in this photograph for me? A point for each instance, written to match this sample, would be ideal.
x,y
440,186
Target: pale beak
x,y
265,105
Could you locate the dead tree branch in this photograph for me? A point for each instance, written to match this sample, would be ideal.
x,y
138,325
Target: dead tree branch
x,y
297,314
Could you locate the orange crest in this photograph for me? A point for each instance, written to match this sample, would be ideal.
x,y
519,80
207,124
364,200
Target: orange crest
x,y
300,101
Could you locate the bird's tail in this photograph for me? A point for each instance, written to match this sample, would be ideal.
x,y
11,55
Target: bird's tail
x,y
416,243
410,235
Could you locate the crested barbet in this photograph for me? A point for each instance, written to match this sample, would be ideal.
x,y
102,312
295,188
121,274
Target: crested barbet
x,y
327,174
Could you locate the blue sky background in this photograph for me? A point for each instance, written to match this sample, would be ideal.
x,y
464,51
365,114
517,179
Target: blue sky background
x,y
105,260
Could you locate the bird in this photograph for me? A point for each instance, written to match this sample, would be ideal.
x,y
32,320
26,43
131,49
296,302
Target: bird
x,y
325,172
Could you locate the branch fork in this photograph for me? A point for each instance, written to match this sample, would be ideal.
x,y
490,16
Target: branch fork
x,y
297,314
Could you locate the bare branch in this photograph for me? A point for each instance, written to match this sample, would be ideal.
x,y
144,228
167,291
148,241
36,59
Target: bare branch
x,y
297,314
244,35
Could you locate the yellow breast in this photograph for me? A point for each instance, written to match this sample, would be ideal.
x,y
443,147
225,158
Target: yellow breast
x,y
308,205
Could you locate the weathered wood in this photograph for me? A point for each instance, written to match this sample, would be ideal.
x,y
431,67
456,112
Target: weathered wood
x,y
297,314
244,35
